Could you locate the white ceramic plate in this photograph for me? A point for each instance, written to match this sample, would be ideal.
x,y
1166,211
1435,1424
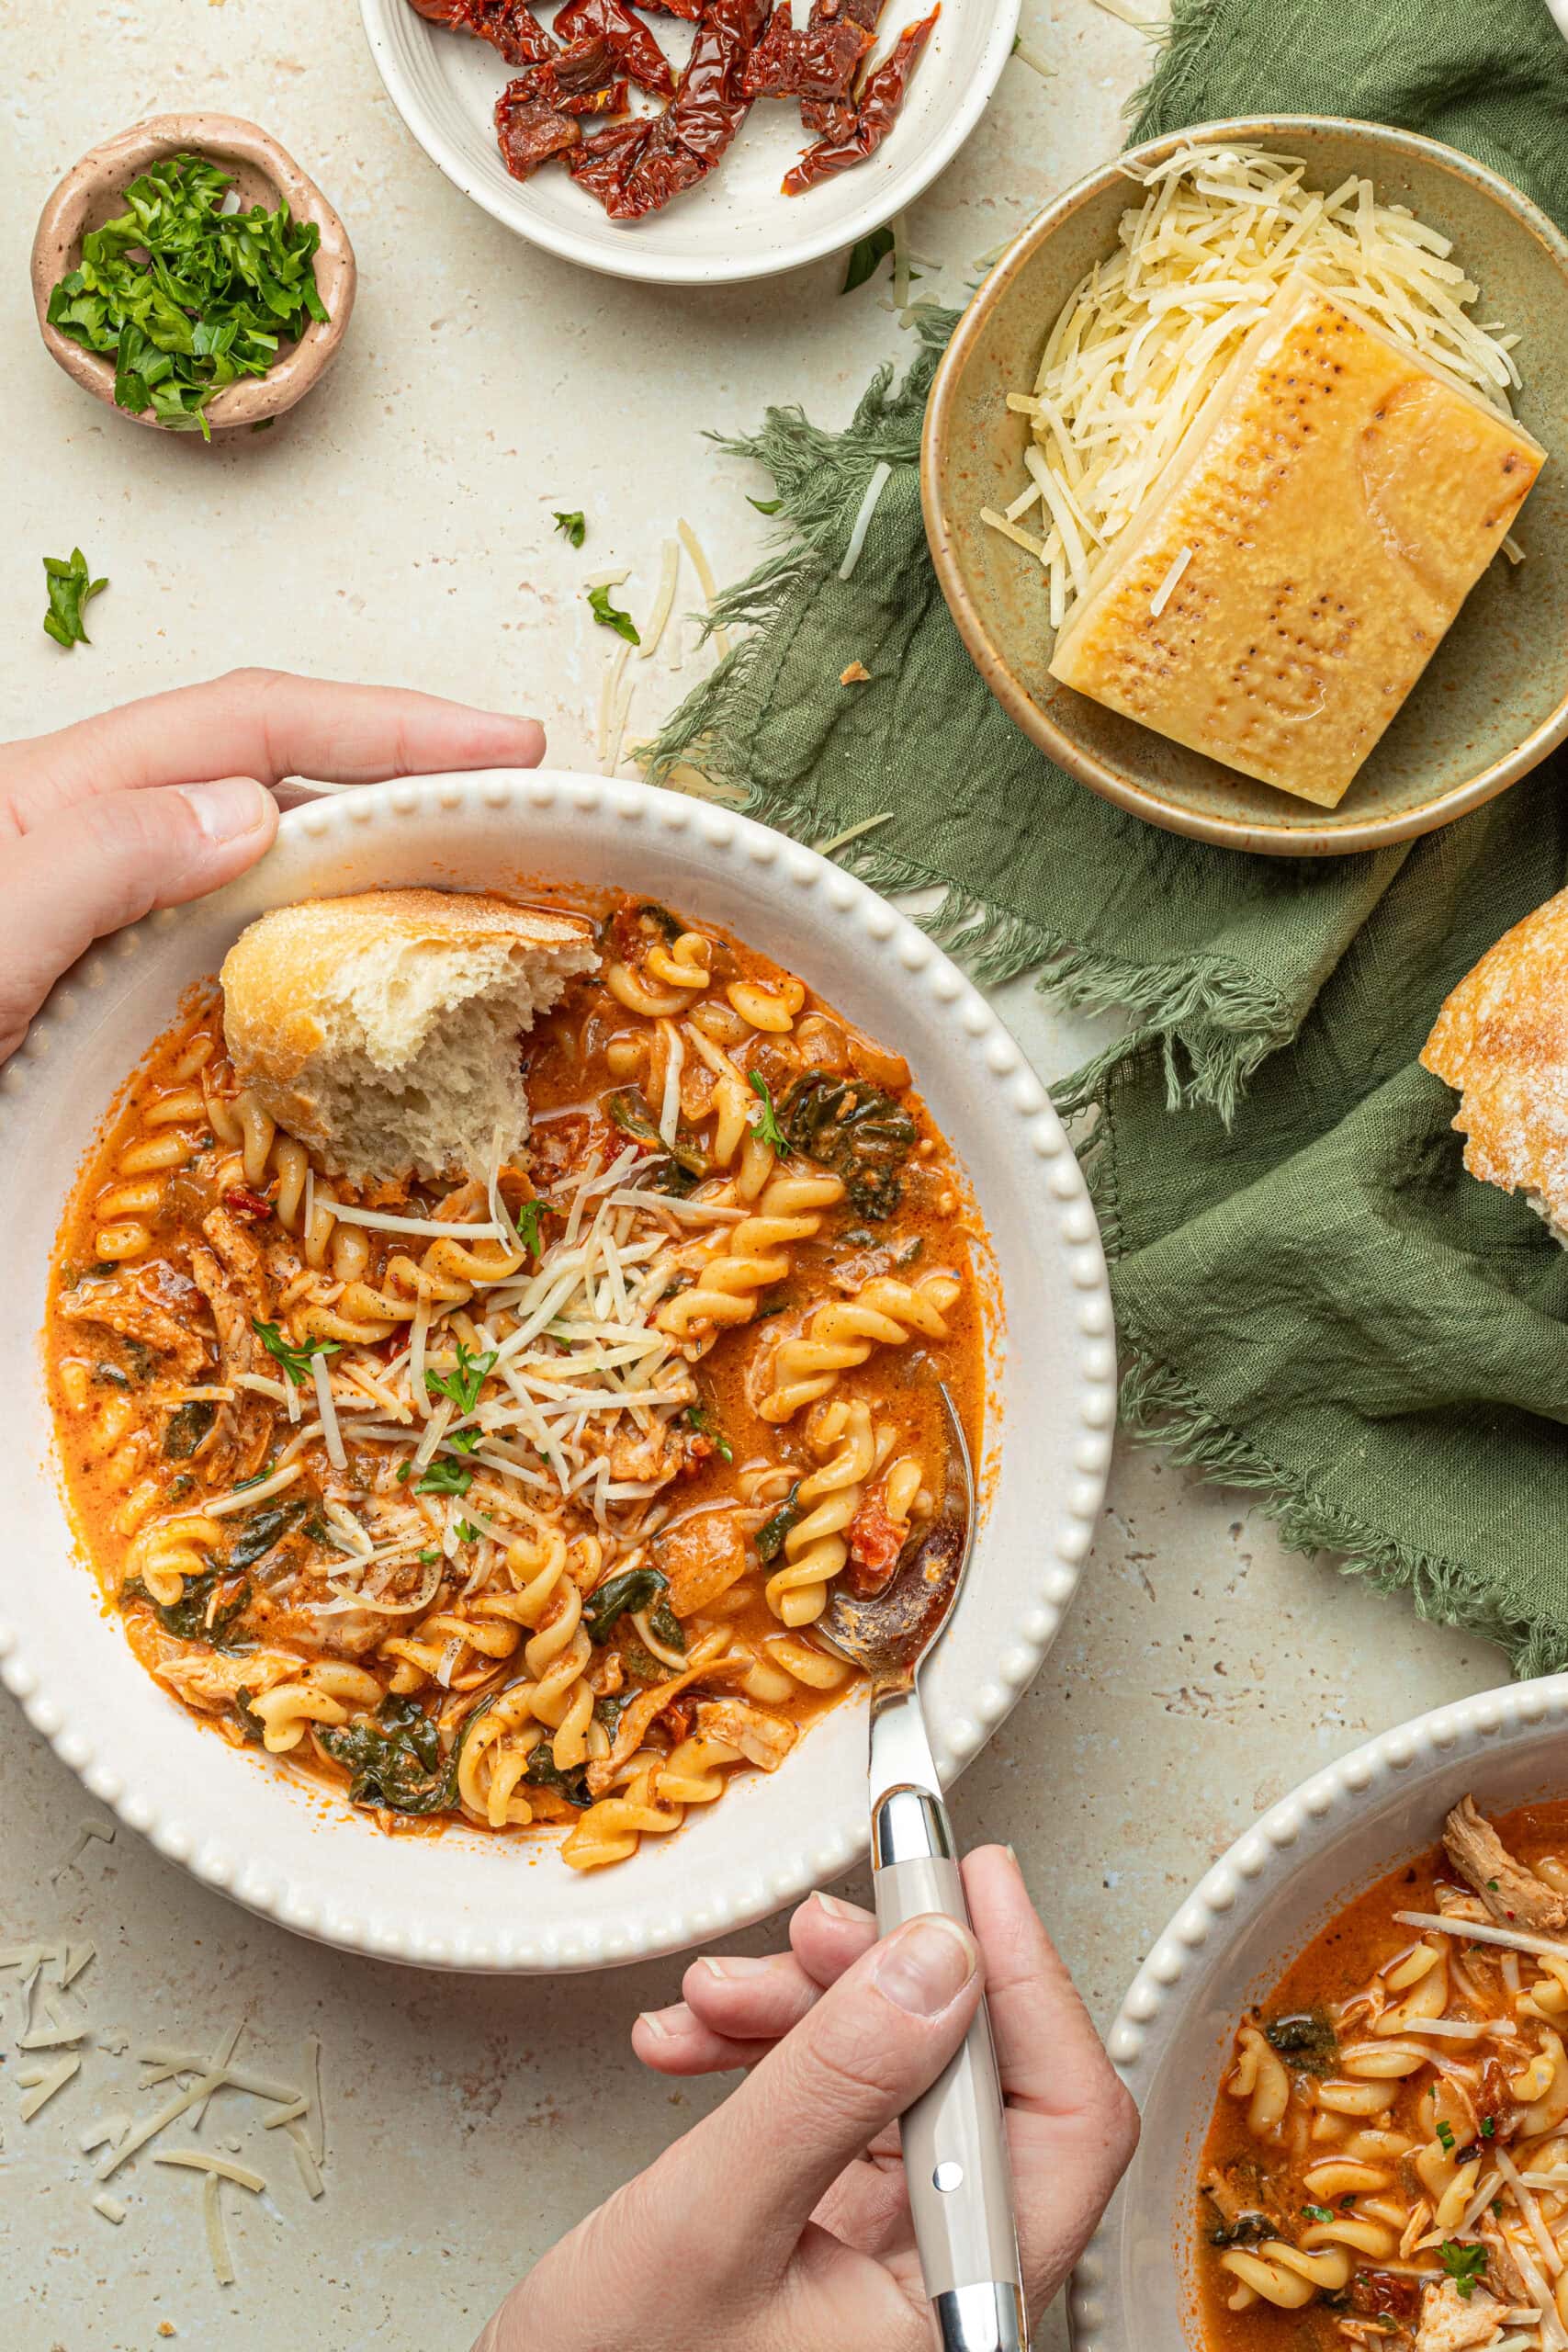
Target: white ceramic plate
x,y
737,224
465,1900
1135,2289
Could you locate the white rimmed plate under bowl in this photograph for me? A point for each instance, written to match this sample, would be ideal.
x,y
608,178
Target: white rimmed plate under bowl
x,y
1244,1922
465,1900
738,224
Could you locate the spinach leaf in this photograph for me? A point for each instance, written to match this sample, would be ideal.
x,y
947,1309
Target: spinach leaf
x,y
1308,2037
633,1588
634,1118
395,1761
609,1709
855,1130
188,1618
543,1772
770,1535
866,257
188,1426
251,1724
262,1528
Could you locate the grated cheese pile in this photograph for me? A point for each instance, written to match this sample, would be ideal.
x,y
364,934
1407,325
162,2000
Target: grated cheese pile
x,y
1141,341
577,1394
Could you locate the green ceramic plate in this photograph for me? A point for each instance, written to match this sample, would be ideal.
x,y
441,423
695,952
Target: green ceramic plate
x,y
1493,701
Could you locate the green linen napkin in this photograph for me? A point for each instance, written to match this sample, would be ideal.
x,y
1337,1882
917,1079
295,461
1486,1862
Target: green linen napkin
x,y
1313,1300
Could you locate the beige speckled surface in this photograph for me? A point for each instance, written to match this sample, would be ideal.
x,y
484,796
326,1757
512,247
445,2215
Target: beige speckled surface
x,y
396,527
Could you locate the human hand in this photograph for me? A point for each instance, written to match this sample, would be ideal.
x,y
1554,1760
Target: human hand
x,y
165,800
781,2223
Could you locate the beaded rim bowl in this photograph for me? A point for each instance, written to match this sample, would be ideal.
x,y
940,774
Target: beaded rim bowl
x,y
1248,1916
285,1847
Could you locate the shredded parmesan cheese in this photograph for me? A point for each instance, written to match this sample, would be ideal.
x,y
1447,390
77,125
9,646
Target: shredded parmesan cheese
x,y
242,1498
1164,593
1141,341
1481,1931
880,475
705,580
663,600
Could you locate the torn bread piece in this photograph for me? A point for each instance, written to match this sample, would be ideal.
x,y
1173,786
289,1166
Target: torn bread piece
x,y
382,1029
1501,1040
1304,552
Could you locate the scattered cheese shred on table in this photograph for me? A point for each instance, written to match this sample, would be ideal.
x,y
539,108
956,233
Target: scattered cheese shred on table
x,y
705,580
1147,333
41,2083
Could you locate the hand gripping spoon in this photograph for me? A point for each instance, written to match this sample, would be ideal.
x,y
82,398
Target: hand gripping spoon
x,y
955,2157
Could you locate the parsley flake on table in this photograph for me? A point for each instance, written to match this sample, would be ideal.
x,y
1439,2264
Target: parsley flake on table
x,y
69,587
610,616
573,528
185,297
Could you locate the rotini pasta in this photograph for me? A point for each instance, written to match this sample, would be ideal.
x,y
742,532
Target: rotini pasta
x,y
1388,2162
463,1497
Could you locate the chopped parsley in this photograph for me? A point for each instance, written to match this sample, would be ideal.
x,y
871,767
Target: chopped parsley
x,y
1446,2138
429,1556
1466,2265
765,1125
572,527
1489,2127
463,1385
68,586
1317,2212
445,1478
295,1363
467,1533
185,297
765,505
610,616
528,1221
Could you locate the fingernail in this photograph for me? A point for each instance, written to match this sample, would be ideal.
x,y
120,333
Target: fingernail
x,y
735,1965
1012,1857
835,1910
226,810
665,2023
926,1965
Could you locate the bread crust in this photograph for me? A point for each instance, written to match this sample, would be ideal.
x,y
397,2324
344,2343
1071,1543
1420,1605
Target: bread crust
x,y
299,963
288,961
1502,1041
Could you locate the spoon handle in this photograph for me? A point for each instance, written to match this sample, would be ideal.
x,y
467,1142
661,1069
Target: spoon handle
x,y
955,2157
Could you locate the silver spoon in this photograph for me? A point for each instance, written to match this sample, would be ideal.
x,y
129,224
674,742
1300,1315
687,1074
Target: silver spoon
x,y
956,2158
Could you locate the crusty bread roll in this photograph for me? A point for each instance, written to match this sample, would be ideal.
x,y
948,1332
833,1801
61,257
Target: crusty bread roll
x,y
382,1029
1501,1040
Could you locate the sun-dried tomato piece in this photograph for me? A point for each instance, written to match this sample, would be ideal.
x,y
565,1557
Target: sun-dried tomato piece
x,y
584,79
706,111
635,47
529,130
834,117
689,11
242,1202
509,26
875,1542
874,115
601,162
818,63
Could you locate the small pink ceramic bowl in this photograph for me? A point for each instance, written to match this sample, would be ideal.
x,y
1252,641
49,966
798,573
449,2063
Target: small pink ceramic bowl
x,y
91,192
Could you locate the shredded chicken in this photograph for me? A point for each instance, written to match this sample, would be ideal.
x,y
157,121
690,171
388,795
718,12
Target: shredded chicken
x,y
131,1317
241,1255
242,1432
1513,1894
1451,2324
212,1680
1502,2273
762,1740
